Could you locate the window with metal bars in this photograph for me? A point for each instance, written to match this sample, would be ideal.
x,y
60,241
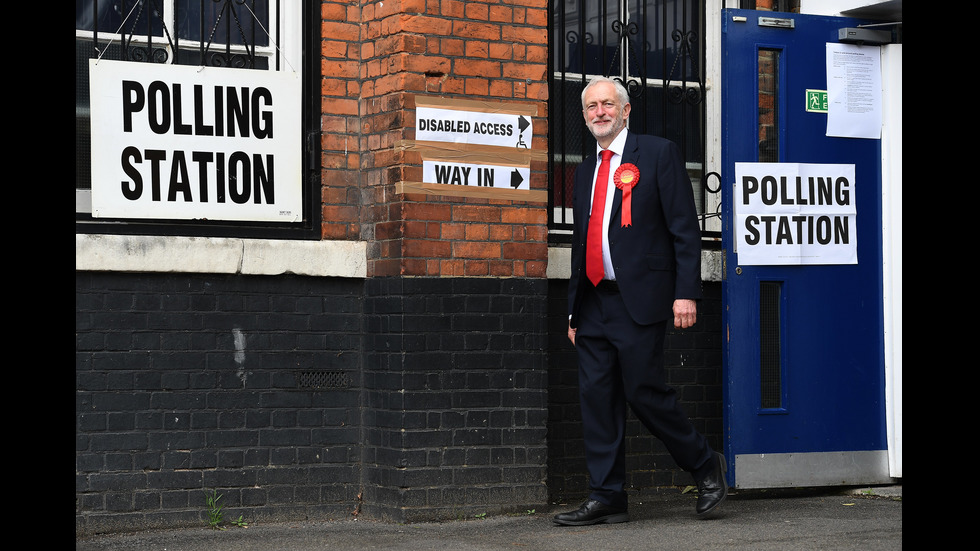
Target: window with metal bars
x,y
260,35
656,48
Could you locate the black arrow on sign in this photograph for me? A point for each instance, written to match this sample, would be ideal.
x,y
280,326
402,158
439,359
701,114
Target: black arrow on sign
x,y
516,179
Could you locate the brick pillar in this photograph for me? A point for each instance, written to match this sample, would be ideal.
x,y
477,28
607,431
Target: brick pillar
x,y
340,119
448,49
454,404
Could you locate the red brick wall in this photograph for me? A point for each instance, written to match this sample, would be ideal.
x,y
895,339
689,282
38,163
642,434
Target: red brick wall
x,y
378,56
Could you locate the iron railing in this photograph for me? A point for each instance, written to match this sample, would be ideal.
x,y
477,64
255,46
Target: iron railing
x,y
220,33
656,49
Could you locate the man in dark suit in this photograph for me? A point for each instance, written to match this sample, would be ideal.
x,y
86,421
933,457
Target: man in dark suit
x,y
636,263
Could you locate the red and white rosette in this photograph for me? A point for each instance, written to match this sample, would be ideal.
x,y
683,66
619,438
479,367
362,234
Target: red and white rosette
x,y
627,176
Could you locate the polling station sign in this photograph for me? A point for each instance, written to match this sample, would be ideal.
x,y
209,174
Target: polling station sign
x,y
795,213
181,142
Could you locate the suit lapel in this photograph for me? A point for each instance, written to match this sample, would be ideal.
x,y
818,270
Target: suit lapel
x,y
584,196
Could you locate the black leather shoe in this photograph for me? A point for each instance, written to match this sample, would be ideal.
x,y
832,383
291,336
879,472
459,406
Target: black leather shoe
x,y
592,512
713,488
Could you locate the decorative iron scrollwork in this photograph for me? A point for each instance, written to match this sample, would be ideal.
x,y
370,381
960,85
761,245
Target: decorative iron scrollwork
x,y
687,42
623,30
229,59
684,94
235,61
634,87
148,55
147,34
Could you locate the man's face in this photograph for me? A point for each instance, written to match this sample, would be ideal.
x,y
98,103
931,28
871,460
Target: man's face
x,y
604,115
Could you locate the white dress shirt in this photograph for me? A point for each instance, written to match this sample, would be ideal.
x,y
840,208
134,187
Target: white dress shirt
x,y
617,146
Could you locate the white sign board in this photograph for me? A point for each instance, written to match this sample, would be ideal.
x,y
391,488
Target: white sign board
x,y
180,142
478,175
794,213
472,127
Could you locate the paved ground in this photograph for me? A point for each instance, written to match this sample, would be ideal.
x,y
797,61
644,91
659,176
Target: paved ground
x,y
867,519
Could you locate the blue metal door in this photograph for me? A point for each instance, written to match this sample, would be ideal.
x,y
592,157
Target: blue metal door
x,y
804,357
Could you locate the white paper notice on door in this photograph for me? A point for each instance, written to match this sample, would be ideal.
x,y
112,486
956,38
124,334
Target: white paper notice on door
x,y
854,91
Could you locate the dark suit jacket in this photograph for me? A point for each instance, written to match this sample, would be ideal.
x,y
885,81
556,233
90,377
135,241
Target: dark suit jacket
x,y
658,258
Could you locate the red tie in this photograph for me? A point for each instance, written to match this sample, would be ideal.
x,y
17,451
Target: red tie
x,y
593,241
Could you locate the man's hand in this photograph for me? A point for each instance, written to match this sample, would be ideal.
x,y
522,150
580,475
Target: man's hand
x,y
571,332
685,313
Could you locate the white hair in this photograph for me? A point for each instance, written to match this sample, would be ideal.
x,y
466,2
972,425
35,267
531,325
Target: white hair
x,y
621,93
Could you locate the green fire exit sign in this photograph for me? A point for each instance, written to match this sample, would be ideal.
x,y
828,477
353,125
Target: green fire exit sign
x,y
816,101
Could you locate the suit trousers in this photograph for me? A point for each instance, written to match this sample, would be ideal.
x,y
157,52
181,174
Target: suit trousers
x,y
621,363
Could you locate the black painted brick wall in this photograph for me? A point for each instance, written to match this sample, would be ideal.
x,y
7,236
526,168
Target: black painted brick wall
x,y
694,360
187,383
295,397
455,408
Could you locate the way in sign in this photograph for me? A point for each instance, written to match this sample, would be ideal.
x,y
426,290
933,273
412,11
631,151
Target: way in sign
x,y
476,175
460,175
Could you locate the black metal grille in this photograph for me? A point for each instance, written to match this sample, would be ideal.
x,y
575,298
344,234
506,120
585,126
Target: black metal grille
x,y
322,379
770,345
656,48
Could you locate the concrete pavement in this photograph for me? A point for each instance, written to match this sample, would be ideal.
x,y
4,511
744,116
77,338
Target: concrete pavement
x,y
866,519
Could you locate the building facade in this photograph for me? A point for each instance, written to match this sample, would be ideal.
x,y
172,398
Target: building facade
x,y
398,351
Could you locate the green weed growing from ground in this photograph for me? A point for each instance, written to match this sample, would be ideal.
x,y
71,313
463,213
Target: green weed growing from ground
x,y
216,513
